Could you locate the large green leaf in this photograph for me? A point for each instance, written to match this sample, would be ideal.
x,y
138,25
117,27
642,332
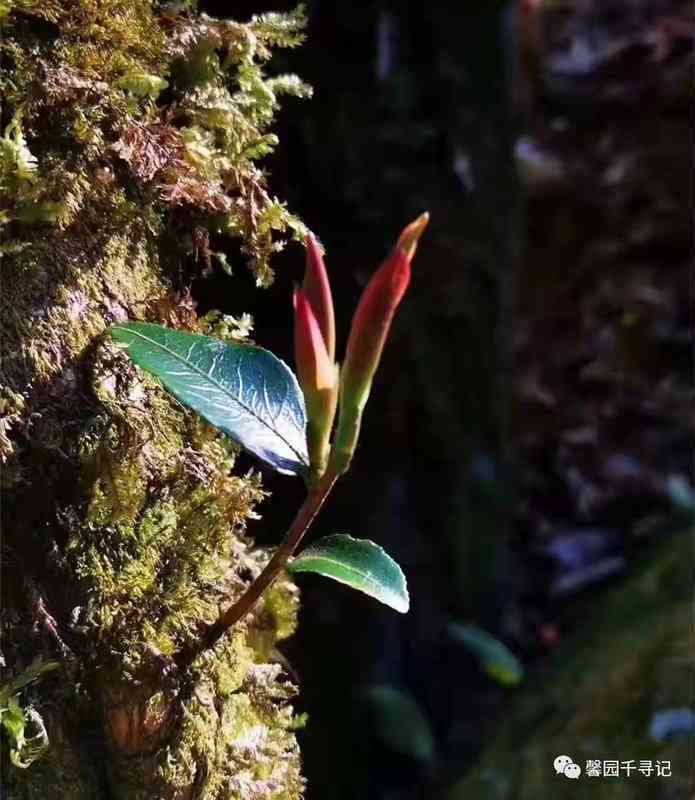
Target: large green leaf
x,y
358,563
495,657
245,391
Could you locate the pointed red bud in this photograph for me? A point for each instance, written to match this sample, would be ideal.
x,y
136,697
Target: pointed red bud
x,y
314,366
318,377
318,292
410,235
370,327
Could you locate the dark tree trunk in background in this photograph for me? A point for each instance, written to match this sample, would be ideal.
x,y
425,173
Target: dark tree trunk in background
x,y
413,113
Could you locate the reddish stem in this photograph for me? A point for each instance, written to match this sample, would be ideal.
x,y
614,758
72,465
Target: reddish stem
x,y
305,516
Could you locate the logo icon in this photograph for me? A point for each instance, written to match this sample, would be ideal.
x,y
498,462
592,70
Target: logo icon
x,y
564,765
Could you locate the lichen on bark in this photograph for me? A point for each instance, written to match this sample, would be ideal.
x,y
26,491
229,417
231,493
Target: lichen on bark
x,y
130,142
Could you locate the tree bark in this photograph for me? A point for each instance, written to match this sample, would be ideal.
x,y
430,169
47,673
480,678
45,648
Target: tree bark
x,y
124,518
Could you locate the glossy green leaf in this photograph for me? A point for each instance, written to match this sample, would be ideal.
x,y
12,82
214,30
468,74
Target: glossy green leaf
x,y
400,723
243,390
495,657
358,563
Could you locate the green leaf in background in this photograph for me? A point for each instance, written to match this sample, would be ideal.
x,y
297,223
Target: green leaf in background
x,y
400,722
358,563
16,721
495,658
243,390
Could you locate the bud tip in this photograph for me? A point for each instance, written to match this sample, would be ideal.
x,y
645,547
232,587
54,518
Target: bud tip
x,y
408,239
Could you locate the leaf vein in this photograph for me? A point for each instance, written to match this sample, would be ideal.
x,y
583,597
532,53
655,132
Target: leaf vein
x,y
188,362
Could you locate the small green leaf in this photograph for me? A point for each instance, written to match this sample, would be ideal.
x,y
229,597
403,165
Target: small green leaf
x,y
495,657
400,723
358,563
243,390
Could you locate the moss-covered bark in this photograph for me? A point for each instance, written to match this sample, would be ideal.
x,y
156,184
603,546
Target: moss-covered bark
x,y
130,139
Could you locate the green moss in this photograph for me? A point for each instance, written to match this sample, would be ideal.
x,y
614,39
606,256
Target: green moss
x,y
244,744
105,194
277,617
97,86
157,553
11,408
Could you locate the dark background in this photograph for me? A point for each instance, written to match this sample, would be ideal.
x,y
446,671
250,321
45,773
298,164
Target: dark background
x,y
528,438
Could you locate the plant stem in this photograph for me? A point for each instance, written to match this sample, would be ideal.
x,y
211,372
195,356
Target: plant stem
x,y
305,516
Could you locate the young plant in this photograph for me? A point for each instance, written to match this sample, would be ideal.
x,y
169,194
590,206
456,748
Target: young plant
x,y
257,401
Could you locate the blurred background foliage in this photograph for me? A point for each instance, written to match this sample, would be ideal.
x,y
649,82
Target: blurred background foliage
x,y
527,450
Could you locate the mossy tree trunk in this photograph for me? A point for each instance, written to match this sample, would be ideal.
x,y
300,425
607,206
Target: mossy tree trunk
x,y
129,144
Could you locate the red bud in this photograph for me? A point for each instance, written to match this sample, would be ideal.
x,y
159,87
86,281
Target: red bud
x,y
314,367
318,377
318,292
370,327
410,235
